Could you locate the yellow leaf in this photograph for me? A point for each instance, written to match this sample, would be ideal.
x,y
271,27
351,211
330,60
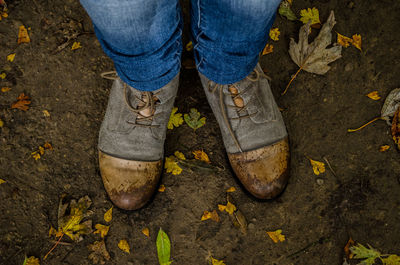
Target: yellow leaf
x,y
2,181
310,14
108,215
46,113
343,40
274,34
101,229
231,189
318,167
216,262
41,150
206,215
76,45
36,155
124,246
180,155
221,207
11,57
210,215
357,41
289,1
22,102
52,231
175,119
5,89
276,236
23,36
161,188
48,146
171,166
146,232
3,75
374,95
230,208
391,260
384,148
189,46
201,155
31,261
269,48
1,123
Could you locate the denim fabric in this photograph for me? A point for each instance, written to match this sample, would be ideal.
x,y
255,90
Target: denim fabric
x,y
143,37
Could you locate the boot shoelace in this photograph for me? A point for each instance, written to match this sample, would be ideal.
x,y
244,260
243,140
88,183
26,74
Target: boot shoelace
x,y
146,109
238,103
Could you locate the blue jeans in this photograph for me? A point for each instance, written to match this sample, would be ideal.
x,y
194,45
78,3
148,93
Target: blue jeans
x,y
143,37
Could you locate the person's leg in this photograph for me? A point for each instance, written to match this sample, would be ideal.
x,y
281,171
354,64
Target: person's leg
x,y
228,36
143,38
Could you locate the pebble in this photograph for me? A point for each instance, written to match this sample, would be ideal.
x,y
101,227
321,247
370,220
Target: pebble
x,y
348,67
320,181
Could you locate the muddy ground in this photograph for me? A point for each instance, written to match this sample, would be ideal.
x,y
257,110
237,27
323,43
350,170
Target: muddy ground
x,y
317,214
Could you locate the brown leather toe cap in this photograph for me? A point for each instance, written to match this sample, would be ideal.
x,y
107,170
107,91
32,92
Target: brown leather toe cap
x,y
129,184
264,172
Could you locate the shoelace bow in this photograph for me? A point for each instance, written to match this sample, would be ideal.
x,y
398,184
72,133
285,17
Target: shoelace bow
x,y
147,102
238,103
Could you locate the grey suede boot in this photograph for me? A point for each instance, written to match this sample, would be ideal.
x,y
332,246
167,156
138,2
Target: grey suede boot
x,y
131,142
253,132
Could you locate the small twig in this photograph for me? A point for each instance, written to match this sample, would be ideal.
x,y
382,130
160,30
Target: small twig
x,y
368,123
291,80
55,245
61,243
329,165
322,239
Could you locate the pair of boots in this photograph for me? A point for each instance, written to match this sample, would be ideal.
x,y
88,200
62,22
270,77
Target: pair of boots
x,y
132,135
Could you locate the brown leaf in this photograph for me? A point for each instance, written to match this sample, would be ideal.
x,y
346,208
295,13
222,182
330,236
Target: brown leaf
x,y
22,102
23,36
396,127
347,251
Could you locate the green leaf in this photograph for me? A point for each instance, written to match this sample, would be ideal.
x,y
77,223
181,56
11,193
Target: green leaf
x,y
368,254
286,11
193,119
391,260
163,248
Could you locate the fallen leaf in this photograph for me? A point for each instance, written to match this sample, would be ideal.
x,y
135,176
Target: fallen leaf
x,y
193,119
396,128
99,254
76,45
161,188
146,232
318,167
23,36
171,166
3,75
124,246
286,11
5,89
343,40
36,155
108,215
201,155
210,215
216,262
314,57
189,46
239,221
2,181
31,261
384,148
231,189
41,150
350,243
391,260
101,229
229,207
392,103
1,123
369,255
274,34
22,102
221,207
175,119
373,95
180,155
310,15
71,224
46,113
163,248
276,236
269,48
357,41
48,146
11,57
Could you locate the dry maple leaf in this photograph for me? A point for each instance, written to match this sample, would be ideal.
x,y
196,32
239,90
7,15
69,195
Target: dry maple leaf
x,y
276,236
22,102
314,57
269,48
201,155
210,215
343,40
357,41
101,229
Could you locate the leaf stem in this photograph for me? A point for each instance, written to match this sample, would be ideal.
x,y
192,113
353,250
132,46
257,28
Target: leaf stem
x,y
368,123
55,245
291,80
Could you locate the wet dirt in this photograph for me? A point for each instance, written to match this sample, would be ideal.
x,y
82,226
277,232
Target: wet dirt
x,y
317,214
